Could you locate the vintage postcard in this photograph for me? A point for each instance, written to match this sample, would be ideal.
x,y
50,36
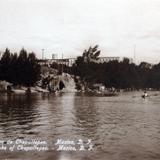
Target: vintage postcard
x,y
79,80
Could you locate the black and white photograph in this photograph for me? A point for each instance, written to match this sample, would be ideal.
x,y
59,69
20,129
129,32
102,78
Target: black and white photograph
x,y
79,79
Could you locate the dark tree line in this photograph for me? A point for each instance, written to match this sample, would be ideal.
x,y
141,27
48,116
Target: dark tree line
x,y
121,75
21,69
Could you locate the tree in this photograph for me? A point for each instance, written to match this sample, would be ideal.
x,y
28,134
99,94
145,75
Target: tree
x,y
23,69
91,55
5,64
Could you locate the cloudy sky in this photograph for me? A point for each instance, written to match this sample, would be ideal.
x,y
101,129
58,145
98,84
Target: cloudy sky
x,y
70,26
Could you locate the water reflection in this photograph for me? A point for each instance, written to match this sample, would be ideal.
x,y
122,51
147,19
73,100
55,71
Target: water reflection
x,y
121,127
17,113
86,116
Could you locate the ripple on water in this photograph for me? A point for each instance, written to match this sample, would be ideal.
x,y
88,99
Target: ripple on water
x,y
121,128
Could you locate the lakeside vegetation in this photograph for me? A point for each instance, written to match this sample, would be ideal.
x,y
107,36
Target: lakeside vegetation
x,y
19,69
118,74
23,69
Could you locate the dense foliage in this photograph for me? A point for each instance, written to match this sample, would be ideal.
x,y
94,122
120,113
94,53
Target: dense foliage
x,y
121,75
22,69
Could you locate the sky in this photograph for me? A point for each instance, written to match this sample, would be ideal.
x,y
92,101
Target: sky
x,y
70,26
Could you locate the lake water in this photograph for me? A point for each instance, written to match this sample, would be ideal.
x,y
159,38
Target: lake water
x,y
125,127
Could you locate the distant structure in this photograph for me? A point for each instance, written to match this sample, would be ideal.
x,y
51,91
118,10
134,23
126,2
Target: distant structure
x,y
42,53
107,59
54,56
67,61
70,61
